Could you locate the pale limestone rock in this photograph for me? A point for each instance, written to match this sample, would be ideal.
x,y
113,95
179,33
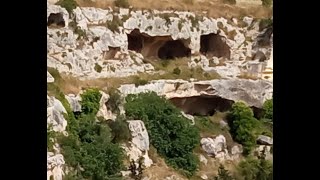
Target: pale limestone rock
x,y
214,146
50,79
204,176
103,110
203,159
253,92
139,144
188,116
55,118
55,163
74,102
140,137
265,140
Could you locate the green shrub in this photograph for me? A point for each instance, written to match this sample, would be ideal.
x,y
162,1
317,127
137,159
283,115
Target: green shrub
x,y
223,174
170,133
139,82
176,71
92,149
165,63
90,102
114,24
266,3
69,5
268,108
121,3
98,68
242,125
252,169
120,130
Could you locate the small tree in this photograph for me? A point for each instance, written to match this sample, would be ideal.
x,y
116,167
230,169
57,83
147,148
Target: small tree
x,y
120,129
114,100
268,108
242,123
223,174
90,102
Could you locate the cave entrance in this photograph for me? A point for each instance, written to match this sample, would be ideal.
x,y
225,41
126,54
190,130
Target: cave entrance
x,y
202,105
56,19
173,49
208,105
214,45
163,47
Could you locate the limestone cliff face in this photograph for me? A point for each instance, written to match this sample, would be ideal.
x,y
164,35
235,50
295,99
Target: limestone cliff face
x,y
109,43
254,93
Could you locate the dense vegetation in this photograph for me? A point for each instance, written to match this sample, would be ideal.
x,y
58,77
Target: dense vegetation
x,y
223,174
252,169
88,146
170,133
268,108
69,5
242,125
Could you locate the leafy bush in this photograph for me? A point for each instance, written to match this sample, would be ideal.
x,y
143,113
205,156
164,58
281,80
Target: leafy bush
x,y
242,125
139,82
266,3
223,174
120,130
137,171
69,5
176,71
252,169
264,23
91,148
97,68
90,101
268,108
114,24
114,100
170,133
88,148
121,3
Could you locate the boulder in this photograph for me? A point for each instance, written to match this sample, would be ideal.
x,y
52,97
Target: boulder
x,y
265,140
55,115
55,163
214,146
74,102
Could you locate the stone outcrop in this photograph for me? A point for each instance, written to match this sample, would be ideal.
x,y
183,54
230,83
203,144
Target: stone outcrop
x,y
139,144
50,79
111,43
55,117
55,163
74,101
265,140
214,146
254,93
103,110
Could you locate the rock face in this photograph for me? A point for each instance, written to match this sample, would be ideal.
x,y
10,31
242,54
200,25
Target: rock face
x,y
265,140
50,79
103,110
254,93
96,51
55,118
140,137
139,143
55,163
214,146
203,159
74,102
264,149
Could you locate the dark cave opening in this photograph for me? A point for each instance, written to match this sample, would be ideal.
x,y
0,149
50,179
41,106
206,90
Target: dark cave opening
x,y
163,47
56,19
173,49
135,41
214,45
202,105
208,105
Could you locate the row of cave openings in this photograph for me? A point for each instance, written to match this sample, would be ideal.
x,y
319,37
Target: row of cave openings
x,y
165,48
